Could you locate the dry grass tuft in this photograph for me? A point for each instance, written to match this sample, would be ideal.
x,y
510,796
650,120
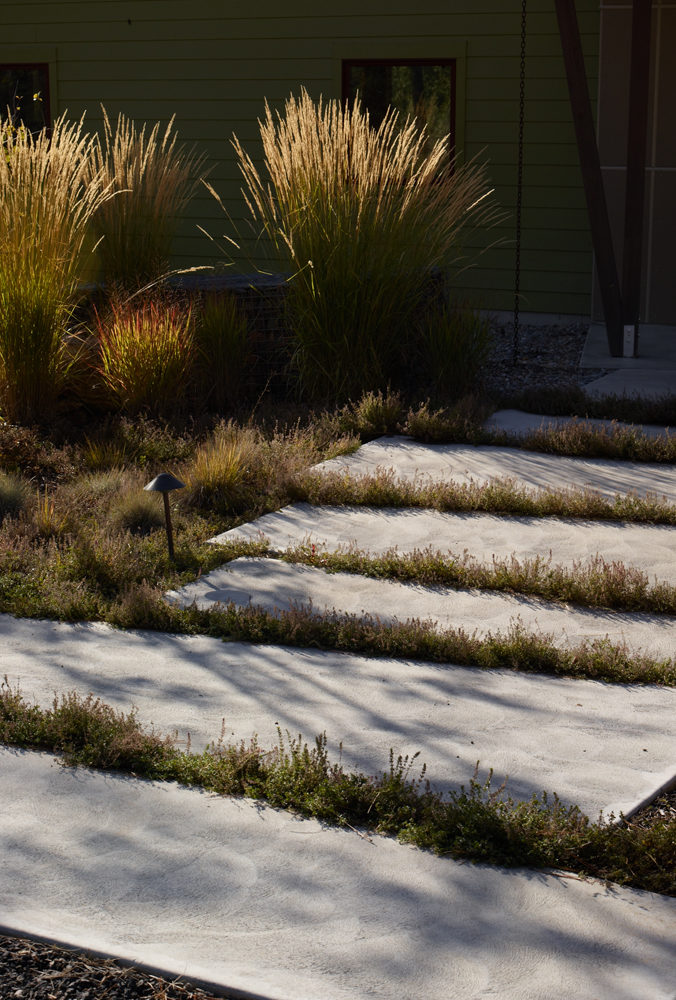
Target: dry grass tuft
x,y
221,472
154,179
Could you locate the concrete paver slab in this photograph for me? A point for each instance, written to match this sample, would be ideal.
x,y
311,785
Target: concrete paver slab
x,y
518,422
642,382
463,463
656,349
275,585
650,548
599,746
259,900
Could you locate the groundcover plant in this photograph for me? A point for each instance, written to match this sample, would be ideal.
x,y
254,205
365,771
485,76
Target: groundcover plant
x,y
477,822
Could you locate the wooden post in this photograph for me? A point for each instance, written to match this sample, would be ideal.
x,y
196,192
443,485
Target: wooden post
x,y
592,178
637,135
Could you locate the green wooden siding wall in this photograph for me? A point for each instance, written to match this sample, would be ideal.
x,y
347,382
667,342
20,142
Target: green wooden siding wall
x,y
213,68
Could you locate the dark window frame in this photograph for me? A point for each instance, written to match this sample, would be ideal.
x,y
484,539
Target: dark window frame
x,y
451,63
43,69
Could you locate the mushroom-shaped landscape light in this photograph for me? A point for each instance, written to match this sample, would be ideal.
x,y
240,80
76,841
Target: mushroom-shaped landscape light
x,y
164,484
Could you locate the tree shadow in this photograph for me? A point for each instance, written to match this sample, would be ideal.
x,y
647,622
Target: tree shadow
x,y
242,894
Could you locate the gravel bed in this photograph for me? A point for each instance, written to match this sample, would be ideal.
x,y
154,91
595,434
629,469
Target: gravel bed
x,y
35,970
546,357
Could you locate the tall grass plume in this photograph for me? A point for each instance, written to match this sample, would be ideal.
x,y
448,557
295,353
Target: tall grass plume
x,y
48,196
363,219
154,179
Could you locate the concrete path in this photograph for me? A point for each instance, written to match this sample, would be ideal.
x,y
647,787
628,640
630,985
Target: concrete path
x,y
650,548
650,375
463,463
258,900
600,746
279,586
641,382
261,902
518,422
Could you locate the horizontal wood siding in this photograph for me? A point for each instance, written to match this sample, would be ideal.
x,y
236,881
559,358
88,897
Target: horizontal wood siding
x,y
214,69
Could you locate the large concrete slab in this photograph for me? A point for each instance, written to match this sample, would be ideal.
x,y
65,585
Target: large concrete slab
x,y
247,897
463,463
596,745
650,548
656,350
518,422
275,585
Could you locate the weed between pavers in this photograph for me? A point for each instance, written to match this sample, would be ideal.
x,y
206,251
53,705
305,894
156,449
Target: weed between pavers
x,y
578,439
303,627
384,488
595,583
477,822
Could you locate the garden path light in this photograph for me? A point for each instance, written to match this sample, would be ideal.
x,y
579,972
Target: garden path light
x,y
164,484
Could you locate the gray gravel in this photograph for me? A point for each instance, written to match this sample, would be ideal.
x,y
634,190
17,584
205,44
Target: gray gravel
x,y
547,357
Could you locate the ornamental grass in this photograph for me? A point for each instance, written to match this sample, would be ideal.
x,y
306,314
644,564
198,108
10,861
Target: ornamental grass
x,y
366,220
146,353
154,178
48,196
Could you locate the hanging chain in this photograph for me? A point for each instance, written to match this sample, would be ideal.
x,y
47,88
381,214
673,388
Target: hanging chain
x,y
519,185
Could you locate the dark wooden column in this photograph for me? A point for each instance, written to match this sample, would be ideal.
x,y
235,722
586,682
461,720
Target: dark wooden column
x,y
592,179
636,162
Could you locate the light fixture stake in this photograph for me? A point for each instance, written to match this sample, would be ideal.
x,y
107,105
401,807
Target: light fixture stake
x,y
164,484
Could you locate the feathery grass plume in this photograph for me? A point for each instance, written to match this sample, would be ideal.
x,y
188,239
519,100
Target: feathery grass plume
x,y
364,219
154,179
48,195
146,354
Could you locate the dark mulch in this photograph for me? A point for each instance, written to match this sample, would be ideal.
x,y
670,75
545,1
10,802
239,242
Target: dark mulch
x,y
660,809
34,970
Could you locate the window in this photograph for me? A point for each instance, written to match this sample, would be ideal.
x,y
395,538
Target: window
x,y
421,88
24,94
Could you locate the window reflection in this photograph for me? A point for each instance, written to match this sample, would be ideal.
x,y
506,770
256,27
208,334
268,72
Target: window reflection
x,y
424,90
24,94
